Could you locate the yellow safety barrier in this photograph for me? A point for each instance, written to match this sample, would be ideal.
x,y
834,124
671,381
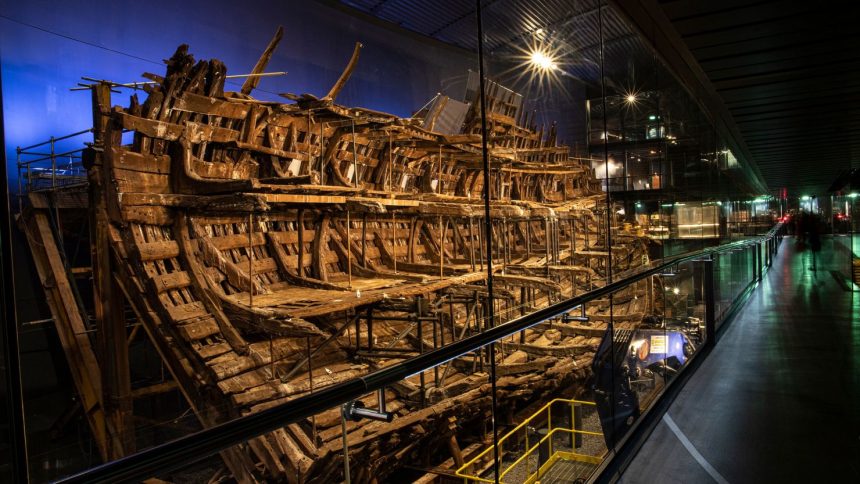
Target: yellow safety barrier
x,y
554,456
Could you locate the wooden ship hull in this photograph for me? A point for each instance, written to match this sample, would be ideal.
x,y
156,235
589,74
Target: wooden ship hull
x,y
271,249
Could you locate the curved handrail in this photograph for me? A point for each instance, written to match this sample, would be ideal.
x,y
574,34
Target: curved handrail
x,y
209,441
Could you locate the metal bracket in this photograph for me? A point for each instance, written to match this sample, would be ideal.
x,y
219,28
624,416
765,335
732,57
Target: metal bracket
x,y
355,410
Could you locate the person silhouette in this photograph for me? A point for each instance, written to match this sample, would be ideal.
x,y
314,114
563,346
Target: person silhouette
x,y
814,236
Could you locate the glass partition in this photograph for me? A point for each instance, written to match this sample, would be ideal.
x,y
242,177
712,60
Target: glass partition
x,y
303,195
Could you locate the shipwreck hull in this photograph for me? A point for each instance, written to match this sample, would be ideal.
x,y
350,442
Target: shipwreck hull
x,y
273,249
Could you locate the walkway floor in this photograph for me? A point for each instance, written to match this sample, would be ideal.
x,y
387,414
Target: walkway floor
x,y
778,400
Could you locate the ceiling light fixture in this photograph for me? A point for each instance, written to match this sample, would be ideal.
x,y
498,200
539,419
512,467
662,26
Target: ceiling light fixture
x,y
542,61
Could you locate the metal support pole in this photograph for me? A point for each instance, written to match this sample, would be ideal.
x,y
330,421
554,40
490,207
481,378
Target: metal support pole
x,y
710,305
345,449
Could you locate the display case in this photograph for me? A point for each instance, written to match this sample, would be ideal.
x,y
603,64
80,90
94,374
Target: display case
x,y
698,220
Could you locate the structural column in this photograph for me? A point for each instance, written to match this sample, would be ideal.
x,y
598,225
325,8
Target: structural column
x,y
108,303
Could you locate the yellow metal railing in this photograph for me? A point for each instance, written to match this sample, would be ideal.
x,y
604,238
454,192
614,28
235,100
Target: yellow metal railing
x,y
531,475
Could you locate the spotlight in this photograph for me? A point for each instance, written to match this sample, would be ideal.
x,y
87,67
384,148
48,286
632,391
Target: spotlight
x,y
676,290
542,61
631,98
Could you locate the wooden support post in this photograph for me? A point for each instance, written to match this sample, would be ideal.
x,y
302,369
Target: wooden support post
x,y
481,247
300,221
528,238
348,251
439,175
441,249
390,166
436,346
364,240
251,259
546,242
419,311
394,241
370,329
322,155
311,388
354,157
108,307
456,453
472,242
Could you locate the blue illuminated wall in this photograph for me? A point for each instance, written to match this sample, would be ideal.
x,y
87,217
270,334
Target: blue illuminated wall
x,y
118,40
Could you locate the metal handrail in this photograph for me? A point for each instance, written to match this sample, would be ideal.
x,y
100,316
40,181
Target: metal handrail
x,y
61,138
191,448
47,156
529,449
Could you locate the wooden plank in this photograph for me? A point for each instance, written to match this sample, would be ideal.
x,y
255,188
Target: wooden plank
x,y
291,237
138,181
71,329
181,371
234,241
196,103
150,127
153,390
194,132
184,312
202,282
147,215
145,163
211,351
173,280
198,329
235,274
150,251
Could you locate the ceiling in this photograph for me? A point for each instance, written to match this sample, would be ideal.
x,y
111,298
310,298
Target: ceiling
x,y
785,74
789,74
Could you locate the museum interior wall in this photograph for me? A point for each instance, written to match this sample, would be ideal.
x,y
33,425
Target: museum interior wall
x,y
220,207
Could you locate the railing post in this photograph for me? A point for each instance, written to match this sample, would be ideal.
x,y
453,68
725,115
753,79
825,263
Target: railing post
x,y
767,253
759,261
710,305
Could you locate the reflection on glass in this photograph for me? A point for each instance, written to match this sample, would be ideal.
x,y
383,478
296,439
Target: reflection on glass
x,y
224,244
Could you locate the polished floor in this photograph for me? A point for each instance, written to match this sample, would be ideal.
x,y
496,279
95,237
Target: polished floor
x,y
778,400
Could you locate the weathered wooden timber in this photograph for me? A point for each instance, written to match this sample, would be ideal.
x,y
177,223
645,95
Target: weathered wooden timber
x,y
271,249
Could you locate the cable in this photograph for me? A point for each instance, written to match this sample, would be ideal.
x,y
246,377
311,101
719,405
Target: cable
x,y
68,37
99,46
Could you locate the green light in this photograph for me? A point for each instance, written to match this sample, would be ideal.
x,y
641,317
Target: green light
x,y
652,117
806,197
854,195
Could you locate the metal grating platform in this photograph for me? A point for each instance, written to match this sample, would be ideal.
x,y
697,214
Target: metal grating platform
x,y
568,471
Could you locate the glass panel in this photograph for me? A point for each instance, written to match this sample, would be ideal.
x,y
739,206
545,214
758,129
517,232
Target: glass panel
x,y
197,246
239,226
